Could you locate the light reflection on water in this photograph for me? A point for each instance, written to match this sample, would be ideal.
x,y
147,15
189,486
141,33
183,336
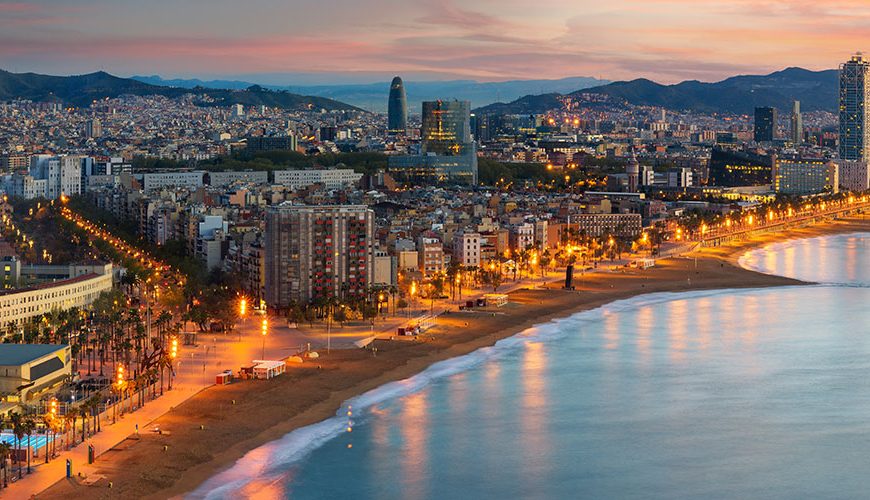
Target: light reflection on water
x,y
730,394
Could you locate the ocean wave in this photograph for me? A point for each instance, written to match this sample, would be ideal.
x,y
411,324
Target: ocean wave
x,y
270,461
756,260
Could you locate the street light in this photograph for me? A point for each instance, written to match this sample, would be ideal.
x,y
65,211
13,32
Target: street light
x,y
243,307
264,328
413,292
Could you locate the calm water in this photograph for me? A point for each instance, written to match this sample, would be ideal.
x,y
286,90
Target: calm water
x,y
725,394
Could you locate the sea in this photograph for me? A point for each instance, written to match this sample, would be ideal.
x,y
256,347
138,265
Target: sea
x,y
733,394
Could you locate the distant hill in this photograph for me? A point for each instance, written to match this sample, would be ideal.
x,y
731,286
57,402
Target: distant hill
x,y
817,90
373,96
82,90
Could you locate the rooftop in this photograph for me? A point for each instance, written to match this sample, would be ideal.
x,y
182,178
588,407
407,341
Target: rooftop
x,y
19,354
47,285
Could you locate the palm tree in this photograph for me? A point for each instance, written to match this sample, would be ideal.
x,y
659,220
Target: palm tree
x,y
29,426
5,453
71,416
17,422
94,404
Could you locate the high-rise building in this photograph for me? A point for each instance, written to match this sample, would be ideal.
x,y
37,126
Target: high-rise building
x,y
315,252
446,127
854,126
632,169
797,126
480,128
765,124
397,108
93,128
448,152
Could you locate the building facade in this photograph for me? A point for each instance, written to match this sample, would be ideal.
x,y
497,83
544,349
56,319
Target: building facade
x,y
430,255
854,129
27,369
23,304
227,178
466,248
190,180
316,252
731,168
331,178
598,225
797,124
854,175
448,153
765,124
271,143
805,176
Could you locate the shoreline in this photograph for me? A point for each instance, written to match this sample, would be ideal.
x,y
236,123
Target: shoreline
x,y
243,416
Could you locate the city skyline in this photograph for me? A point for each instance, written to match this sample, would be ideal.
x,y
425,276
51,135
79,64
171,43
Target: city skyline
x,y
432,40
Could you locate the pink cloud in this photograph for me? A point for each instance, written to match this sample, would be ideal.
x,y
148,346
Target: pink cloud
x,y
668,40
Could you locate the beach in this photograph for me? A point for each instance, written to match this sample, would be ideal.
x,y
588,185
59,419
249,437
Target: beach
x,y
213,429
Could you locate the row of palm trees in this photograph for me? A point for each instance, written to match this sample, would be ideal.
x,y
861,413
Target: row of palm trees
x,y
52,426
365,304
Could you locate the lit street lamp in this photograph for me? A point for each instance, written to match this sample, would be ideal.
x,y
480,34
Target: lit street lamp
x,y
264,328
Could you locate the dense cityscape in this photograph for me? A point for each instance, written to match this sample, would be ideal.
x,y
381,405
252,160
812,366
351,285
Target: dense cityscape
x,y
158,249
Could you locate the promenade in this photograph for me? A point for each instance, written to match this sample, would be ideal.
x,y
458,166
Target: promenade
x,y
196,370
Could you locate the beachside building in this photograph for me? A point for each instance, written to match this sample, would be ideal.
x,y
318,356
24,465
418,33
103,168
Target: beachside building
x,y
598,225
466,248
430,253
27,369
805,176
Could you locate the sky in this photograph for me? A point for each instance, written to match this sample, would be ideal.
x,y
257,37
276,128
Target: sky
x,y
349,41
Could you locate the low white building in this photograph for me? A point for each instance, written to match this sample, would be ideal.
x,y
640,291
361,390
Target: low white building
x,y
23,304
160,180
227,178
333,178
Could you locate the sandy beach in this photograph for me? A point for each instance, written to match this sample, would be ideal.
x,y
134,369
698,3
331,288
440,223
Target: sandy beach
x,y
213,429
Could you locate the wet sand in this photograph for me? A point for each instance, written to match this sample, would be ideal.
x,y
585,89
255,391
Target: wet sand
x,y
244,415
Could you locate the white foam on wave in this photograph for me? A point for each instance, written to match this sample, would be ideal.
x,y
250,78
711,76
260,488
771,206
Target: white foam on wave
x,y
270,461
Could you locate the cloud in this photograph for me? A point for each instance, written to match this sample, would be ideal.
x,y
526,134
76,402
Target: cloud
x,y
668,40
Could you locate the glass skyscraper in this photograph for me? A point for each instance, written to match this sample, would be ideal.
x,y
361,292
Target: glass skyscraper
x,y
446,127
448,153
397,108
765,124
854,129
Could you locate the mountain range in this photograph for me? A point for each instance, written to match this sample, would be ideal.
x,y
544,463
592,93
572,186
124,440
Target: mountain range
x,y
373,96
82,90
817,91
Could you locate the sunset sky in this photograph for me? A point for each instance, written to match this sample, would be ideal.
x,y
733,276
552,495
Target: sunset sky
x,y
368,40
